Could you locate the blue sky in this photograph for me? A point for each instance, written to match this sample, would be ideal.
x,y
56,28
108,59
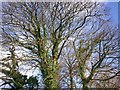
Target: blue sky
x,y
113,11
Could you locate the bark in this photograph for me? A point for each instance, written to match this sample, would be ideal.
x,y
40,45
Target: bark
x,y
84,85
71,79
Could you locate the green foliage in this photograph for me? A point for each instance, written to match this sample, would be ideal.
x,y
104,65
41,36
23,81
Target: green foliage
x,y
32,82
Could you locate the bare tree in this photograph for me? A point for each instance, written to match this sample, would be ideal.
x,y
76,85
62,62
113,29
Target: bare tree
x,y
68,68
97,53
9,68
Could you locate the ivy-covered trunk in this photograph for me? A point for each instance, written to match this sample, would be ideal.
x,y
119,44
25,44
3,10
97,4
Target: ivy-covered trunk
x,y
50,74
50,70
84,85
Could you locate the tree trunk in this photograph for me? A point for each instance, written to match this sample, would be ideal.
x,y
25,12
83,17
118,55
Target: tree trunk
x,y
50,74
71,79
84,85
51,84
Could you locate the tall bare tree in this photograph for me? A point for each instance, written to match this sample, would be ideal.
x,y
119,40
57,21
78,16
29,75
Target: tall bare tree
x,y
97,54
68,68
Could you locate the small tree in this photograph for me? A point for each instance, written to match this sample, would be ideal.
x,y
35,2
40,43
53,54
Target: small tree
x,y
32,83
12,76
97,53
